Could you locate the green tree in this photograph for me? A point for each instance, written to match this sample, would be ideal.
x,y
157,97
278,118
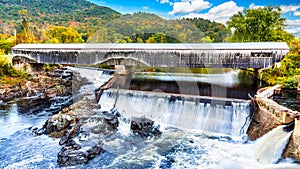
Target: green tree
x,y
289,70
259,25
157,38
6,42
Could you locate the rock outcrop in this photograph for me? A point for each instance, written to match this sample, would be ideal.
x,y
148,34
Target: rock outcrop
x,y
83,130
43,84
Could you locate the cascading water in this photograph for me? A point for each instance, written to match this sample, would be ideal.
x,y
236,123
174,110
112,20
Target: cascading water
x,y
269,147
182,112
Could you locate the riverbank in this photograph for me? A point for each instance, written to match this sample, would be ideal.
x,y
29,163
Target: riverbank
x,y
45,85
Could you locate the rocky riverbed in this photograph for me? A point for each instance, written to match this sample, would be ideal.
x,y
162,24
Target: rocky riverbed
x,y
83,130
44,85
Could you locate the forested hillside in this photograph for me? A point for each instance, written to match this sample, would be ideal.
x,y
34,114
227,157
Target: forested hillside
x,y
78,21
150,28
99,24
52,11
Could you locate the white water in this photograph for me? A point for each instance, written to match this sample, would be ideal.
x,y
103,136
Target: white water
x,y
191,114
269,147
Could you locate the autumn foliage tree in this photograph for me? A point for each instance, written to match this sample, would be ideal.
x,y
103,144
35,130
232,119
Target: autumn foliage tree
x,y
62,34
26,34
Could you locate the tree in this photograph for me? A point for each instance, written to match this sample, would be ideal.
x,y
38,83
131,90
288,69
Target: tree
x,y
206,39
6,42
101,36
26,34
259,25
61,34
157,38
289,70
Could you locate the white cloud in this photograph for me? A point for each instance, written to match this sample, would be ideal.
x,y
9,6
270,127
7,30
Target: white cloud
x,y
293,26
284,8
220,13
296,13
289,8
145,7
188,6
253,6
164,1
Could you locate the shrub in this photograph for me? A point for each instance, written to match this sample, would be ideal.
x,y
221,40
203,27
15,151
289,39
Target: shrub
x,y
290,83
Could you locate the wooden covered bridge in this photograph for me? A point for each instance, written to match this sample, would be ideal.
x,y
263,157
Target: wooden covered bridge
x,y
230,55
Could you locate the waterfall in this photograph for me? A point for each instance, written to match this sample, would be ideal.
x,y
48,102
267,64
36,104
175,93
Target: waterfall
x,y
187,112
270,147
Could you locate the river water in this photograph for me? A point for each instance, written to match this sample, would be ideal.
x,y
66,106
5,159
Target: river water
x,y
180,146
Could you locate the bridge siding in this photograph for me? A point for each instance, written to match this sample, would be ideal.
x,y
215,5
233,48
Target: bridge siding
x,y
156,57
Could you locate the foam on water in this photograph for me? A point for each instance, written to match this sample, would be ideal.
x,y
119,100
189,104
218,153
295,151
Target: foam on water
x,y
269,147
180,113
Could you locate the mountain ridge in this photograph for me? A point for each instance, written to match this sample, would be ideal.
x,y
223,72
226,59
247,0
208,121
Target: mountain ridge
x,y
51,11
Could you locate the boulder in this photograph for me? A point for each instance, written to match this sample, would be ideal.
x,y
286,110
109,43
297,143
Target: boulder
x,y
73,154
68,156
144,127
111,119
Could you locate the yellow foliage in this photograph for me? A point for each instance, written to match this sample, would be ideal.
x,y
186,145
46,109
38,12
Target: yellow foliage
x,y
62,34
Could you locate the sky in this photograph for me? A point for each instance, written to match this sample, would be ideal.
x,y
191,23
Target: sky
x,y
219,11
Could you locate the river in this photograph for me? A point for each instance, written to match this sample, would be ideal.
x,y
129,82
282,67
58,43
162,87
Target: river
x,y
180,146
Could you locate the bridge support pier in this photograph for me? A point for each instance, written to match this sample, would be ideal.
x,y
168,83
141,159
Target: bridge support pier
x,y
126,76
120,69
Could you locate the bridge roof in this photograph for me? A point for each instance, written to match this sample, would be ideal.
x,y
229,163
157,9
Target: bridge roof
x,y
157,46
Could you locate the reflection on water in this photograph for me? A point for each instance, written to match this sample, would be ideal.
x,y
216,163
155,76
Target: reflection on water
x,y
229,84
27,112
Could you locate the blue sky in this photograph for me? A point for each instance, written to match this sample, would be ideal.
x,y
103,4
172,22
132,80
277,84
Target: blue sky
x,y
219,11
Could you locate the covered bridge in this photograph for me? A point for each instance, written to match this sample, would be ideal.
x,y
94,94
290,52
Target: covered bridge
x,y
230,55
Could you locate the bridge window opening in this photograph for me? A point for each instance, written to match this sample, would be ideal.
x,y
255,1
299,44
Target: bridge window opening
x,y
261,54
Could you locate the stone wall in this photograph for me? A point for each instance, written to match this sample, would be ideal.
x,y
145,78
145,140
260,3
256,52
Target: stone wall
x,y
268,115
